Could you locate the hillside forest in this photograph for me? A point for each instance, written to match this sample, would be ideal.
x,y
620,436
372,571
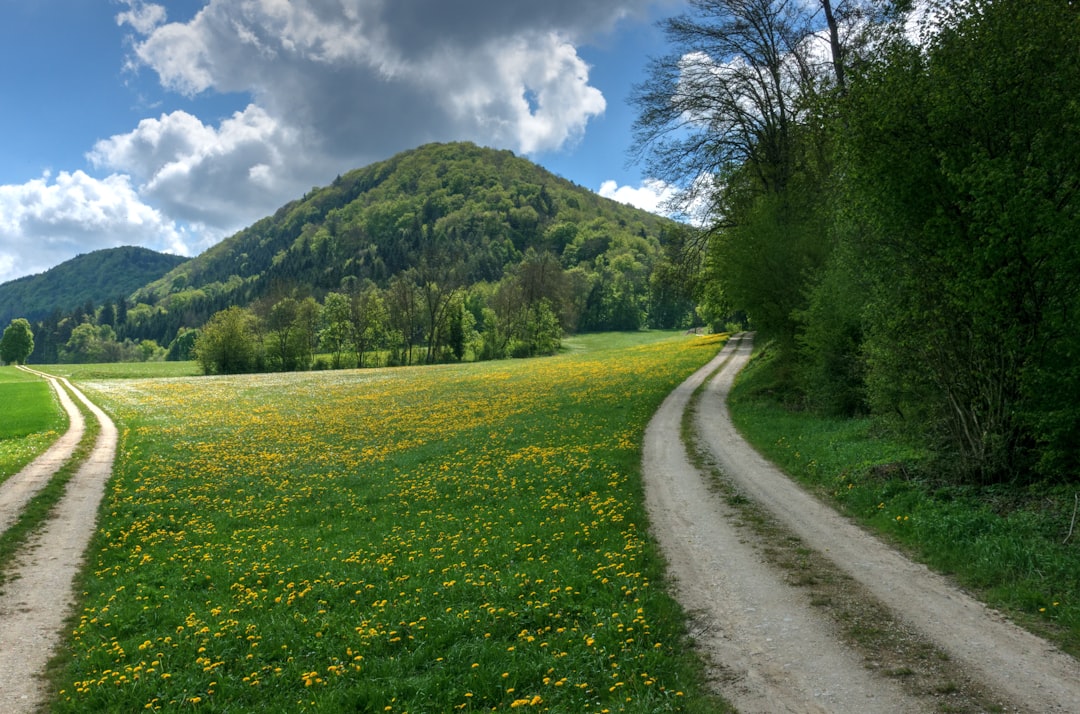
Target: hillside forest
x,y
891,193
444,253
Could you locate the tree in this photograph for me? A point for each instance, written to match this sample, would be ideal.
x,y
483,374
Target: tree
x,y
368,321
337,314
230,343
964,157
17,343
739,118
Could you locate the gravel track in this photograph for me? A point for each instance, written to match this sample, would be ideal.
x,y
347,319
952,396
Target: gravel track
x,y
38,596
772,652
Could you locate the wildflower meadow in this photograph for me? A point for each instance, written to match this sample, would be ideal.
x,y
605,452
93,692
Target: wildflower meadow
x,y
457,538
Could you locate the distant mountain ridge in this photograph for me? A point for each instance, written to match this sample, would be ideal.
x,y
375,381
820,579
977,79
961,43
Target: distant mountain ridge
x,y
95,277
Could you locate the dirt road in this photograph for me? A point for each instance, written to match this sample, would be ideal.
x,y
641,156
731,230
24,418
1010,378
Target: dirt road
x,y
39,594
771,650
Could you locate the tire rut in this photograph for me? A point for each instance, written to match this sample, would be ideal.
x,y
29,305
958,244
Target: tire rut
x,y
771,650
39,594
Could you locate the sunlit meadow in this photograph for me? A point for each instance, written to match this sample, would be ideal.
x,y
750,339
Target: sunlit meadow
x,y
424,539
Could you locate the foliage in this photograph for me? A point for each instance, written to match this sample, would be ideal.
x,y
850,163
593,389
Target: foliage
x,y
230,343
399,540
964,156
91,278
17,342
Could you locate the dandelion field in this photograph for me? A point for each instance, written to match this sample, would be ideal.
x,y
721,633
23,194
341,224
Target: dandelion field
x,y
458,538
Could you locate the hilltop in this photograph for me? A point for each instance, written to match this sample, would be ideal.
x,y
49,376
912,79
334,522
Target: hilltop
x,y
94,277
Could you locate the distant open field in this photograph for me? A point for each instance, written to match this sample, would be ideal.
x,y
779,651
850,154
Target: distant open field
x,y
465,537
32,419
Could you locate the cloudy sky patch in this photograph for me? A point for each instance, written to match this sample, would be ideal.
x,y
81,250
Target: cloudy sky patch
x,y
216,113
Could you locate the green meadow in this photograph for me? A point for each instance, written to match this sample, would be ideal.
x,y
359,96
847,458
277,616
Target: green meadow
x,y
32,419
451,538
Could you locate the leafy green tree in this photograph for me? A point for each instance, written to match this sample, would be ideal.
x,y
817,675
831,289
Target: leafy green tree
x,y
17,343
337,314
368,321
964,155
281,325
230,343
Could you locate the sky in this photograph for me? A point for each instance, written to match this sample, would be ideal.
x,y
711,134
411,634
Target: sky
x,y
173,125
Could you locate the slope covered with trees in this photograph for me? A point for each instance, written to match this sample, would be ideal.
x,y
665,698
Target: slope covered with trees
x,y
93,277
445,252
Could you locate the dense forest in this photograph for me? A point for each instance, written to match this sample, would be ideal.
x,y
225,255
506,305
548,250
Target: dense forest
x,y
93,277
446,252
894,196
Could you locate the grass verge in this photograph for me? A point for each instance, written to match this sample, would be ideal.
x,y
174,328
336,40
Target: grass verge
x,y
450,538
32,419
1010,546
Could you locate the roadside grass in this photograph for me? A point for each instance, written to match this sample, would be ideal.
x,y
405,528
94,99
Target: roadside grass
x,y
1011,546
32,419
466,537
122,370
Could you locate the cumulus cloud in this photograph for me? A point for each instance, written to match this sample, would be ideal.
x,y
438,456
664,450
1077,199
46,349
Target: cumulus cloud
x,y
48,220
217,176
652,195
336,85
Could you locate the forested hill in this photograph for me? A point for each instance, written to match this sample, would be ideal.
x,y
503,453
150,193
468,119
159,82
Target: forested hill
x,y
468,228
95,278
467,210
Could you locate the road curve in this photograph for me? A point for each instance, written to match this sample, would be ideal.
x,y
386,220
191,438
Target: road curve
x,y
1025,669
769,650
39,594
16,491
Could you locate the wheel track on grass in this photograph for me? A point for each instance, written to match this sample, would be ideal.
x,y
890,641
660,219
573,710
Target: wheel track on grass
x,y
768,650
39,593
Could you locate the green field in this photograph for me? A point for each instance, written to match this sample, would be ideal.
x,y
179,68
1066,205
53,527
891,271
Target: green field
x,y
454,538
32,419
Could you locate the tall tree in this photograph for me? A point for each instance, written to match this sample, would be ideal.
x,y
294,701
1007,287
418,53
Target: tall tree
x,y
17,343
964,155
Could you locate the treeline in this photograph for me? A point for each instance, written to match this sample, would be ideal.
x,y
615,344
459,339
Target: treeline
x,y
896,207
425,315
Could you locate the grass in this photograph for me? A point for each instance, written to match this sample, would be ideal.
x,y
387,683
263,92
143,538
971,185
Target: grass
x,y
465,537
1009,545
122,370
32,419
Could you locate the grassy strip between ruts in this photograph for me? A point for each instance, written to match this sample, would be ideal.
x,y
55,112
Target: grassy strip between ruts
x,y
32,419
39,507
1013,547
455,538
887,645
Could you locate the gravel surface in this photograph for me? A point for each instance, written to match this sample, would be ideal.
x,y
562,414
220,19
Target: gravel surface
x,y
772,650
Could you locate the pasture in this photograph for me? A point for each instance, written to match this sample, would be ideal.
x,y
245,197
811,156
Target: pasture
x,y
32,419
451,538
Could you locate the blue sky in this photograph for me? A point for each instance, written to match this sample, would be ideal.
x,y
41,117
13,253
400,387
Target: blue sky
x,y
173,125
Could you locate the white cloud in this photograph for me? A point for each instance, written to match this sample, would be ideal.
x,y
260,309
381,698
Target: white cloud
x,y
46,221
652,195
224,176
143,17
337,85
691,204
